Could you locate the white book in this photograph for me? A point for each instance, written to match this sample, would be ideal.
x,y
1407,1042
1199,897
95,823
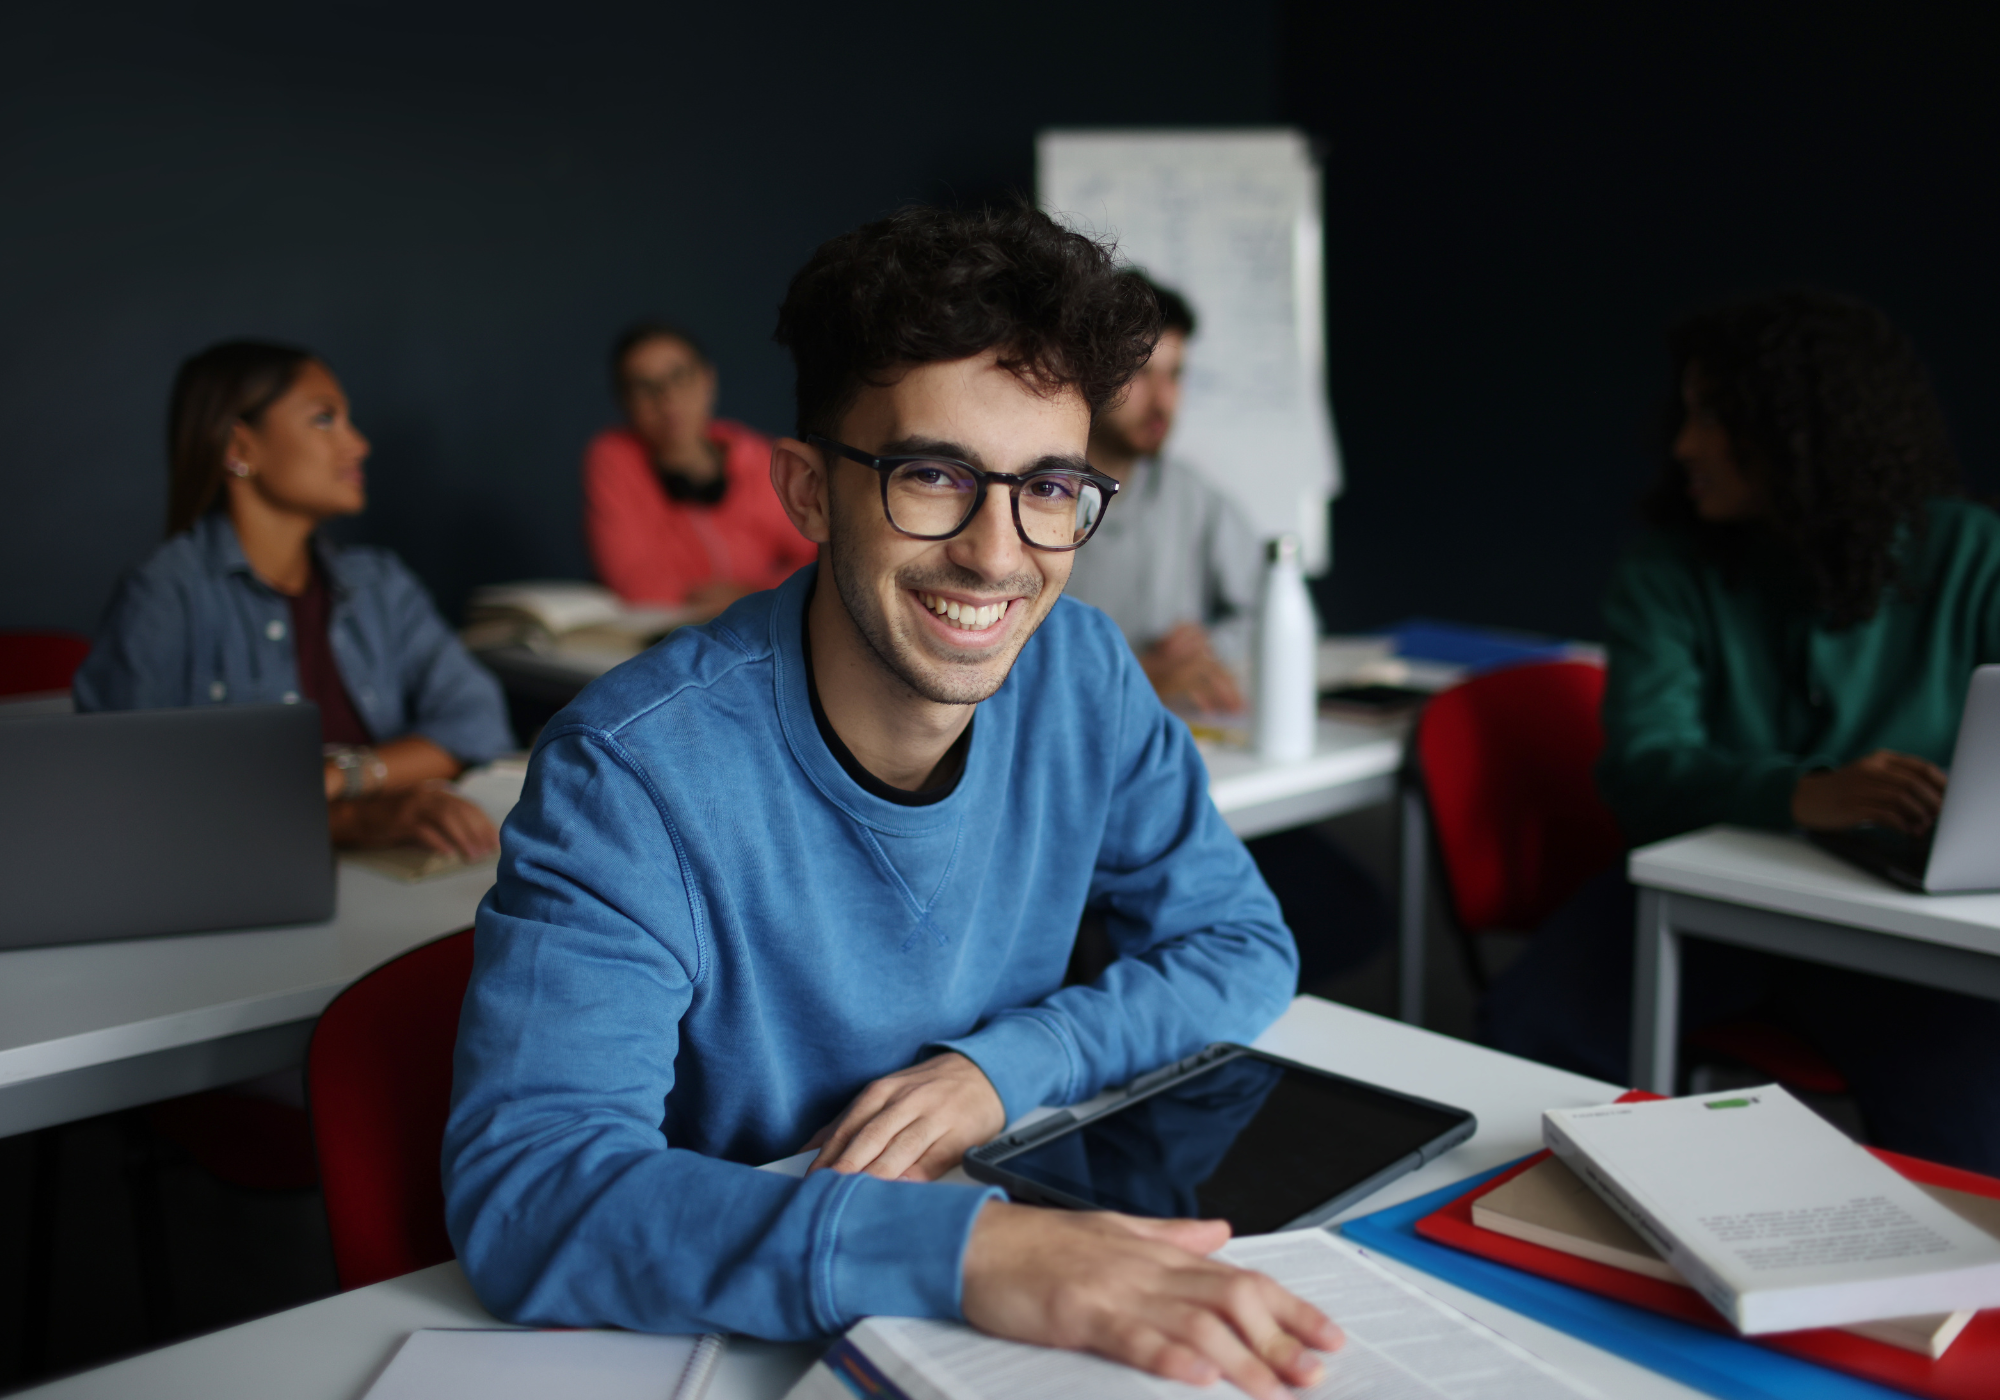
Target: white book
x,y
1402,1344
1774,1216
488,1363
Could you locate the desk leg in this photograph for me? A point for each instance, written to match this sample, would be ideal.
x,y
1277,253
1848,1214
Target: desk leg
x,y
1410,911
1656,994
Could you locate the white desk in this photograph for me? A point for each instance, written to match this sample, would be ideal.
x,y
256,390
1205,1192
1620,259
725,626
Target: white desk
x,y
1781,894
1352,766
91,1027
333,1349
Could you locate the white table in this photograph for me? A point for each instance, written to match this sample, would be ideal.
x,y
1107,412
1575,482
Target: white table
x,y
86,1028
1352,766
89,1028
333,1349
1781,894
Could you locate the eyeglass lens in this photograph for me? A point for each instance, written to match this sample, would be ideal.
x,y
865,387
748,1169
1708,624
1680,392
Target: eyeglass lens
x,y
1056,509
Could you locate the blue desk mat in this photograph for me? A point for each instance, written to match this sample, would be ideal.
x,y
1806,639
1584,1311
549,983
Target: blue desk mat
x,y
1709,1361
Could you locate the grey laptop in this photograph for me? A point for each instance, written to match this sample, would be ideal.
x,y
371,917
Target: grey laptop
x,y
161,821
1962,852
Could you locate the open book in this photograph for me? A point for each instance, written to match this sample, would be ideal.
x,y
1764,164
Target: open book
x,y
563,617
1401,1342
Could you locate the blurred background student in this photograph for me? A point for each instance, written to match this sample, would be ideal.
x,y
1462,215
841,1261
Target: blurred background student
x,y
678,505
1790,645
247,603
1176,565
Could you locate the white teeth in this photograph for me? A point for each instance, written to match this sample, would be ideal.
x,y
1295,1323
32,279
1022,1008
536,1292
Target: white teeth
x,y
971,618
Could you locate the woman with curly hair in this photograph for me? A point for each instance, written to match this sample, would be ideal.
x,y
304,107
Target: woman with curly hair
x,y
1790,645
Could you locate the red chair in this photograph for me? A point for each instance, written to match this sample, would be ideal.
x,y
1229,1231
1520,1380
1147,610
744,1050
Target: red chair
x,y
33,662
378,1078
1503,763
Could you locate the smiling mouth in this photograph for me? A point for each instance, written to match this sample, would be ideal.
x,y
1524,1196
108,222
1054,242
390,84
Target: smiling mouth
x,y
964,616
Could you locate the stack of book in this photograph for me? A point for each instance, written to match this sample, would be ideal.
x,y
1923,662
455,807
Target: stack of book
x,y
560,617
1746,1212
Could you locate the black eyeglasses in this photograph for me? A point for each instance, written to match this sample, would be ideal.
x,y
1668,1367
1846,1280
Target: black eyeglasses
x,y
933,498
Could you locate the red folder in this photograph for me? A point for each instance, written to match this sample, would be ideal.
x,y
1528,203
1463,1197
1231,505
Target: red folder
x,y
1969,1370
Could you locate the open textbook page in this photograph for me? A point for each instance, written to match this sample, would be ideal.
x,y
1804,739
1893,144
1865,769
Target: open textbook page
x,y
1402,1344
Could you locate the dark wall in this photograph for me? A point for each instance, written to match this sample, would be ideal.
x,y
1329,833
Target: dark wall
x,y
1519,199
459,206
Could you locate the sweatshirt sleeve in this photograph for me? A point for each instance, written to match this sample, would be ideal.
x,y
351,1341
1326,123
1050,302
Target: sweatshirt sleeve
x,y
1204,954
622,519
1659,772
566,1203
450,699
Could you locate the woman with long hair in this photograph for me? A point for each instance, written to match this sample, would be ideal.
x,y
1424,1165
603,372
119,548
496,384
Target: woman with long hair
x,y
247,603
1790,645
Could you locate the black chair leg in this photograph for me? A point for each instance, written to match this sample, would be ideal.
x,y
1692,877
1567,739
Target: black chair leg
x,y
149,1223
38,1297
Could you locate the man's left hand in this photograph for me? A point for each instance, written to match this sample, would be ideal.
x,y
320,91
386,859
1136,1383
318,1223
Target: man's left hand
x,y
915,1124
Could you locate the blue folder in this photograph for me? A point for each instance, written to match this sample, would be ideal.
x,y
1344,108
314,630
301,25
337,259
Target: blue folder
x,y
1709,1361
1476,648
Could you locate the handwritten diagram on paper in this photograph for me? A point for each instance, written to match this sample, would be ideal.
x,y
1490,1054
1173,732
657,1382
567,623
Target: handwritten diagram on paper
x,y
1231,219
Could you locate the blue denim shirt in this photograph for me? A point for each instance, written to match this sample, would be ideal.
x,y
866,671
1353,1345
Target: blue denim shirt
x,y
194,625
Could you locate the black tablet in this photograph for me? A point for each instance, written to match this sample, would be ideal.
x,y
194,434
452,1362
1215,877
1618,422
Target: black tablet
x,y
1228,1133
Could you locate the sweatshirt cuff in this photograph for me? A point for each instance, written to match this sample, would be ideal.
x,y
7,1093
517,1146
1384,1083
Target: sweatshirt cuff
x,y
1026,1056
894,1249
1768,801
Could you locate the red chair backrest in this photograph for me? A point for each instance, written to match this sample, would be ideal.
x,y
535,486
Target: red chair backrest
x,y
378,1078
1505,760
37,661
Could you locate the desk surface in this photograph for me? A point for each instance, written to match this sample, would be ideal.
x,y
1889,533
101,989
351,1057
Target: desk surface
x,y
83,1004
1789,875
333,1349
104,1006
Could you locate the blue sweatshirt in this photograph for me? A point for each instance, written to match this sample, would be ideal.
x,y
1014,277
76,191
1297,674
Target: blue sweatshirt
x,y
706,938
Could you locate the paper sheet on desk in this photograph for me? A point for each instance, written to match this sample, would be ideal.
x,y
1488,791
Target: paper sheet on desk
x,y
491,1364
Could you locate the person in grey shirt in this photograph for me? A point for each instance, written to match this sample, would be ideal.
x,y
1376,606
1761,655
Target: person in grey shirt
x,y
1177,565
1175,562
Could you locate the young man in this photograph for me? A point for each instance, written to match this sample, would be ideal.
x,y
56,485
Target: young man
x,y
677,503
1177,564
779,883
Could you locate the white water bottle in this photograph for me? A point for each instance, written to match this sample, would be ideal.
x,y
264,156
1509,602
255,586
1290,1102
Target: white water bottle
x,y
1284,671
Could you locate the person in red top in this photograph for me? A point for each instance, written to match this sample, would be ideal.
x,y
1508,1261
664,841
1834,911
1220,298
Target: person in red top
x,y
678,505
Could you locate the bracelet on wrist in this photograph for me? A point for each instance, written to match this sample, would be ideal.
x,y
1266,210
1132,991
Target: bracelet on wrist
x,y
361,770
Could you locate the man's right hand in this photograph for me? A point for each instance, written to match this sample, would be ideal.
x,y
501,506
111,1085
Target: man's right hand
x,y
1884,789
1141,1292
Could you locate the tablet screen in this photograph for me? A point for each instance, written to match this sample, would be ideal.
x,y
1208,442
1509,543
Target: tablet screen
x,y
1249,1141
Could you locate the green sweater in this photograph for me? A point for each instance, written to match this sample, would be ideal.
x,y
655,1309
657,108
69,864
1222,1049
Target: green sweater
x,y
1718,698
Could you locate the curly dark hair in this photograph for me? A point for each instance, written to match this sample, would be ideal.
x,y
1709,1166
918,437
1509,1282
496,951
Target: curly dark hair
x,y
927,285
1828,407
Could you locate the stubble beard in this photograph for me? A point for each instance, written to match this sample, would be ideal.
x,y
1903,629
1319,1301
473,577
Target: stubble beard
x,y
943,681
